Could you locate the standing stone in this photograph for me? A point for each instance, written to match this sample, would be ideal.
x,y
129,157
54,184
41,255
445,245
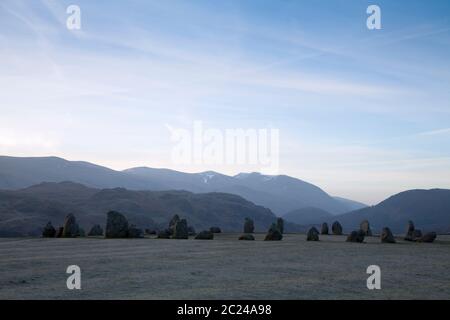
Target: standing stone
x,y
336,228
134,232
181,230
324,229
247,237
215,230
71,228
409,231
280,225
164,234
413,235
116,225
428,237
313,235
205,235
273,234
356,236
365,227
387,236
173,222
59,233
249,226
49,231
96,230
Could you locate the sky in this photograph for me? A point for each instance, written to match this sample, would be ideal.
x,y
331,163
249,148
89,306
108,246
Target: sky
x,y
361,113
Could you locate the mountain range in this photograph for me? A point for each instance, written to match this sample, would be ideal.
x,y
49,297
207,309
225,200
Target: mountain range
x,y
280,193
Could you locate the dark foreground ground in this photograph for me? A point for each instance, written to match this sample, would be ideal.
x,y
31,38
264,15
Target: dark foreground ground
x,y
223,268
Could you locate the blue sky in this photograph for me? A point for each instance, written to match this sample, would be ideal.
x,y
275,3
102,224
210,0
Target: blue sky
x,y
361,113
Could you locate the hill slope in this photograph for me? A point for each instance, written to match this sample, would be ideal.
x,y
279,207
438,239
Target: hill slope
x,y
26,211
428,209
307,216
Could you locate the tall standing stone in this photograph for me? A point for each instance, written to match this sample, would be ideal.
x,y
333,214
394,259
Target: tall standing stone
x,y
249,226
336,228
324,229
71,228
280,225
116,225
173,222
365,227
181,230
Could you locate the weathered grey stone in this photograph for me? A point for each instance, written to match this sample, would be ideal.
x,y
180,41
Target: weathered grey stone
x,y
365,227
280,225
164,234
247,236
273,234
49,231
414,235
409,231
313,235
387,236
59,232
249,226
428,237
181,230
324,229
215,230
205,235
336,228
173,222
134,232
356,236
116,225
71,228
96,230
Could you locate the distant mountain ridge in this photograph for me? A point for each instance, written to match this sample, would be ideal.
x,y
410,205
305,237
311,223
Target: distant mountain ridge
x,y
24,212
279,193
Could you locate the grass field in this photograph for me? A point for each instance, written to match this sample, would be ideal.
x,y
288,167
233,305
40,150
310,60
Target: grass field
x,y
223,268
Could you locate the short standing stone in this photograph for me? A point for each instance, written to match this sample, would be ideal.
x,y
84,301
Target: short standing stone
x,y
71,228
428,237
414,235
164,234
49,231
336,228
205,235
249,226
280,225
356,236
181,230
313,235
273,234
387,236
96,230
134,232
247,237
116,225
150,231
324,229
365,227
215,230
